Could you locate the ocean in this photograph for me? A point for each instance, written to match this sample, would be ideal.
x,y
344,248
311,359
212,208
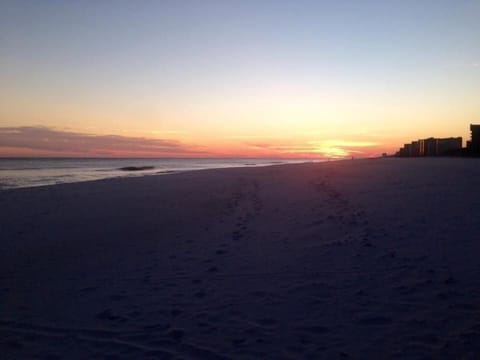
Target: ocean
x,y
29,172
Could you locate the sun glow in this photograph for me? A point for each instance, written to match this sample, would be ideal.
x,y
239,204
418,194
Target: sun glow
x,y
333,152
342,148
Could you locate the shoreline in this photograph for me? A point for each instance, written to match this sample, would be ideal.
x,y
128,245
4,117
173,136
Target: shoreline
x,y
158,172
373,258
71,173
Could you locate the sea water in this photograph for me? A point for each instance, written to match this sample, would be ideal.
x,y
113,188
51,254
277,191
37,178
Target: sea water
x,y
28,172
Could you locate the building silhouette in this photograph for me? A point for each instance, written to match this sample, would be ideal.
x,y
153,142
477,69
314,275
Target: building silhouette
x,y
473,146
431,147
443,147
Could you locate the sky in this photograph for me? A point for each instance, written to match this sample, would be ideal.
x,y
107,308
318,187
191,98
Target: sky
x,y
235,78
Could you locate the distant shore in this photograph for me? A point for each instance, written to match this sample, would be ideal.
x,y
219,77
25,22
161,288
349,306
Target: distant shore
x,y
374,258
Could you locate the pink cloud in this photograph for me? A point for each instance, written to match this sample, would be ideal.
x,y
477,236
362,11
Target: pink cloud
x,y
44,139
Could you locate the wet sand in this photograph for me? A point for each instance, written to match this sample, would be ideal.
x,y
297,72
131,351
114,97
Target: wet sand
x,y
354,259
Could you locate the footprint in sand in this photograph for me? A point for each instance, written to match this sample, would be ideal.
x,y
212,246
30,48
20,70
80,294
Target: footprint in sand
x,y
315,329
259,293
200,294
116,297
375,321
176,312
13,344
176,334
238,342
134,314
267,322
88,289
107,314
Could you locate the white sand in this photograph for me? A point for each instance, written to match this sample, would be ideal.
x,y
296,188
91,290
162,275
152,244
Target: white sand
x,y
367,259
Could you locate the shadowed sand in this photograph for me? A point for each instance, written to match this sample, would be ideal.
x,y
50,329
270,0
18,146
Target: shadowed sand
x,y
367,259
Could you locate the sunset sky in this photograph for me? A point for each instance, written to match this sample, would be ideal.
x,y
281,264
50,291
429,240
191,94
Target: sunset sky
x,y
235,78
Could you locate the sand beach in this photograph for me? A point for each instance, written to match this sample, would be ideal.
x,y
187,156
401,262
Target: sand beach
x,y
362,259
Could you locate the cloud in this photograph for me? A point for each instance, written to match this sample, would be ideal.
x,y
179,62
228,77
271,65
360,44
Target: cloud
x,y
43,139
345,143
327,147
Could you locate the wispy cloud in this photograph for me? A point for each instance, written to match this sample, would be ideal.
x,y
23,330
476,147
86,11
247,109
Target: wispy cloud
x,y
344,143
44,139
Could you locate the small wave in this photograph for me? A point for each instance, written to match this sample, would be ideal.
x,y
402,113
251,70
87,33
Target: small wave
x,y
167,172
136,168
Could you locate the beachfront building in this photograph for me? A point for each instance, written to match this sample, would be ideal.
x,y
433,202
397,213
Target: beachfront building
x,y
473,146
432,147
449,146
405,151
416,148
442,147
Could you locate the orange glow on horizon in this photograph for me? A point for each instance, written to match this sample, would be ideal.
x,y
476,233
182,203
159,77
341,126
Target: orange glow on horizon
x,y
50,142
